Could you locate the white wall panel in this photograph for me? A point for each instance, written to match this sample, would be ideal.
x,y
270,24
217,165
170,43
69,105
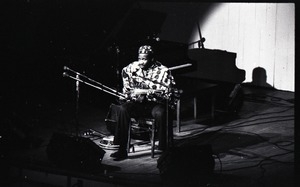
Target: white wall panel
x,y
267,49
283,67
262,34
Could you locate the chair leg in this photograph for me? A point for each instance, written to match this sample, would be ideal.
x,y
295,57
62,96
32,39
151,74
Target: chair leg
x,y
178,122
195,107
129,138
152,140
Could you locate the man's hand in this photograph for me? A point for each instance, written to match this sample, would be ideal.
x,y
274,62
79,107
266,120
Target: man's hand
x,y
135,95
140,94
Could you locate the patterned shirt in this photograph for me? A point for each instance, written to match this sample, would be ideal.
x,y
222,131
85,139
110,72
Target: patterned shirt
x,y
156,77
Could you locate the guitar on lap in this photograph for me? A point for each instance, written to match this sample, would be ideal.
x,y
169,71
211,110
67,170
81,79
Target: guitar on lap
x,y
160,96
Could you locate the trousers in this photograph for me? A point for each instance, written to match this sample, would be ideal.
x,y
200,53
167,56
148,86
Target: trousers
x,y
128,110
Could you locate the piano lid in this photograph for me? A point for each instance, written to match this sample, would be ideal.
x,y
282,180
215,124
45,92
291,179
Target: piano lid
x,y
215,65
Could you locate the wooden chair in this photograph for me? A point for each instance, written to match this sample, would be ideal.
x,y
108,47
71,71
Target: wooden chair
x,y
137,126
140,126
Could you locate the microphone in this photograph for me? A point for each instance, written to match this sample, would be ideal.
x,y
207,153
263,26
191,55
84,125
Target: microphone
x,y
65,74
66,68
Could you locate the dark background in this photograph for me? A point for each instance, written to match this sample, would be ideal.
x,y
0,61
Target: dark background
x,y
93,37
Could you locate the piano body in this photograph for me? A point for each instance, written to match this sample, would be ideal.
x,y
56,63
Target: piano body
x,y
212,68
215,66
210,65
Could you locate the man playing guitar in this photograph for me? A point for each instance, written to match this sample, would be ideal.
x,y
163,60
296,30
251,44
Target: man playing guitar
x,y
146,85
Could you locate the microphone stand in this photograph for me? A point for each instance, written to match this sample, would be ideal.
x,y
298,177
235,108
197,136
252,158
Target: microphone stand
x,y
77,105
116,51
92,83
117,68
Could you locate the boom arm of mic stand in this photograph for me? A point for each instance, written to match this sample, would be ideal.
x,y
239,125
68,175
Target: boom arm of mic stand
x,y
106,87
115,93
66,68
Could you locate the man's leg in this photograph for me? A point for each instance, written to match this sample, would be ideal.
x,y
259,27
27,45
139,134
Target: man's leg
x,y
159,114
121,132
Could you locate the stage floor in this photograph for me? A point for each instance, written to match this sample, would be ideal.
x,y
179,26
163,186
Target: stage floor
x,y
254,148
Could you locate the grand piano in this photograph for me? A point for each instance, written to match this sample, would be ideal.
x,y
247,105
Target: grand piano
x,y
212,78
215,69
214,65
210,65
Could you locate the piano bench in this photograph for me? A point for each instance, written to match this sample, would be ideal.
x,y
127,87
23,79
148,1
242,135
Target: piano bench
x,y
193,94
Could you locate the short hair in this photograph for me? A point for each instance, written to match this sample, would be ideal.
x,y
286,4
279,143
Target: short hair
x,y
145,49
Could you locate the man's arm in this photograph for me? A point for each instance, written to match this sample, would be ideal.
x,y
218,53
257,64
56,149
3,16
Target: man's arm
x,y
163,81
125,78
128,90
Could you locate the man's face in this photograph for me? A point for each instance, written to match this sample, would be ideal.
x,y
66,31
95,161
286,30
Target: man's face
x,y
143,60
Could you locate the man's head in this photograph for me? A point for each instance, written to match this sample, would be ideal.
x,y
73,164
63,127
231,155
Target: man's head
x,y
145,56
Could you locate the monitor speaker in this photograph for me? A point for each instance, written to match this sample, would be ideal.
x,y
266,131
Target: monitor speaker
x,y
72,152
188,163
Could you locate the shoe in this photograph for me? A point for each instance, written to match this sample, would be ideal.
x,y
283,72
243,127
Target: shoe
x,y
119,155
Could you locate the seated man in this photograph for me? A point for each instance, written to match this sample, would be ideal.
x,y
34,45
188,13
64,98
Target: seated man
x,y
146,85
